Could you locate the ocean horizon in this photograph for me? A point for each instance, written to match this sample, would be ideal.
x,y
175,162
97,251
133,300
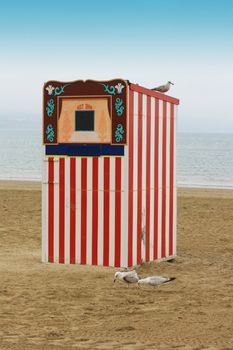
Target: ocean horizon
x,y
204,160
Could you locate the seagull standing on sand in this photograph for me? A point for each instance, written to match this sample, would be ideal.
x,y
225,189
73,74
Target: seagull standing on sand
x,y
127,276
155,280
163,88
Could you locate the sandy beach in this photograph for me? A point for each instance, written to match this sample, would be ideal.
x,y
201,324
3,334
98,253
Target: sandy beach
x,y
50,306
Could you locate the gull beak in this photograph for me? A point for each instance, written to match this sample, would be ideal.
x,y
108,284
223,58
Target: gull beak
x,y
171,82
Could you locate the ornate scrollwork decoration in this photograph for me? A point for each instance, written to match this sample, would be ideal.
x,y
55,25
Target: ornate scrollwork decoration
x,y
59,90
109,89
50,133
119,107
50,107
55,91
119,133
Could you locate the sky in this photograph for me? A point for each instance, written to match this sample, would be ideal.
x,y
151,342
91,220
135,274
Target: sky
x,y
147,42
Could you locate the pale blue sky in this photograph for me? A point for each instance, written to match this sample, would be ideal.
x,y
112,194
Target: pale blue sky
x,y
147,42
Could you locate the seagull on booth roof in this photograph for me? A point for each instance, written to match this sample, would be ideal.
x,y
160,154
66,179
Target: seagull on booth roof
x,y
126,276
155,280
163,88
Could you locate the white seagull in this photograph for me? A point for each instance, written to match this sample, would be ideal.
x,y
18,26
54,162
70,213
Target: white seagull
x,y
155,280
163,88
127,276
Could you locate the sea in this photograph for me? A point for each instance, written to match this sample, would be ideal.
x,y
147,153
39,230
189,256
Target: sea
x,y
203,160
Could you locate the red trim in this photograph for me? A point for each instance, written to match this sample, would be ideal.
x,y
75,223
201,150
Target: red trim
x,y
164,170
51,210
139,187
106,211
72,209
171,202
83,210
61,210
155,94
95,180
148,145
118,212
130,179
156,179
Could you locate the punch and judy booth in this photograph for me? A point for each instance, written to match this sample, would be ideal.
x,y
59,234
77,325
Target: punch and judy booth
x,y
109,184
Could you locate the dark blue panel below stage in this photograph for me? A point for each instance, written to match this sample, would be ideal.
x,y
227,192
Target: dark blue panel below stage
x,y
72,149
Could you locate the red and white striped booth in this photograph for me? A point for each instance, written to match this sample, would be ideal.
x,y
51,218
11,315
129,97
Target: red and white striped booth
x,y
109,174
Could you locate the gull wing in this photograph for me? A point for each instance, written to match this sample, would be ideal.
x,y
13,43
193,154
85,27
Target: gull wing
x,y
131,278
156,280
159,88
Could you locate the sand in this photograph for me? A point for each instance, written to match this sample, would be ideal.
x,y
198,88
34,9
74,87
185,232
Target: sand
x,y
50,306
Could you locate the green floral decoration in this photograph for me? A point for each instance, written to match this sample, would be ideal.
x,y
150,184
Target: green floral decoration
x,y
119,133
119,107
109,89
59,90
50,107
50,133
